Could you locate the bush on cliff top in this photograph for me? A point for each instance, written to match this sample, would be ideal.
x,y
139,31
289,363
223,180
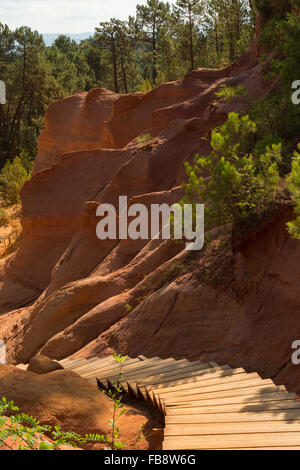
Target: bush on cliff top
x,y
241,184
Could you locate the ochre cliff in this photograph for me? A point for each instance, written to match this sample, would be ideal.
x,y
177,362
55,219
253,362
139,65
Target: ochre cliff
x,y
65,292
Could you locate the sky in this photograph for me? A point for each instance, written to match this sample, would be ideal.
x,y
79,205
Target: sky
x,y
64,16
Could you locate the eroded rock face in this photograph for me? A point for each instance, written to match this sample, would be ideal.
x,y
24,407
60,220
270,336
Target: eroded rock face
x,y
65,292
246,315
74,124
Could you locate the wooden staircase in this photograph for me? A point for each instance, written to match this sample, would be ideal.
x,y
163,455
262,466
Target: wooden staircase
x,y
206,406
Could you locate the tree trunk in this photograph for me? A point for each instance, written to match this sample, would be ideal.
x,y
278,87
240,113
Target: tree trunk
x,y
154,71
114,57
124,72
191,38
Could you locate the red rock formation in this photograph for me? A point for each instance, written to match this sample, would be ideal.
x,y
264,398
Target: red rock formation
x,y
63,398
76,289
245,315
74,124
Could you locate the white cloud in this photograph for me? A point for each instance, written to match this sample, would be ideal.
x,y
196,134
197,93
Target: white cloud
x,y
64,16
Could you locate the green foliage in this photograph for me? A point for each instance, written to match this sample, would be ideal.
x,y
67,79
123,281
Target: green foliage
x,y
270,8
240,184
229,27
26,432
294,186
30,89
129,308
228,93
12,178
145,86
26,161
277,118
151,21
4,217
282,36
189,12
145,138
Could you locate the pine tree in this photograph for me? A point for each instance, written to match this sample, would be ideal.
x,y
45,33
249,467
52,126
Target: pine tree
x,y
189,11
150,19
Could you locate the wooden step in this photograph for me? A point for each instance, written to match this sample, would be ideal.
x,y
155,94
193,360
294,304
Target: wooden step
x,y
189,374
220,387
197,384
236,441
255,407
238,417
103,372
247,400
134,370
205,406
212,429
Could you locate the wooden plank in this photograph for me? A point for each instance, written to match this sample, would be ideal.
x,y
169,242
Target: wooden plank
x,y
80,364
171,365
134,369
188,376
238,417
77,360
147,376
72,362
108,370
245,400
103,372
236,441
274,448
279,406
254,392
214,364
211,429
210,373
200,383
108,365
220,387
175,375
144,358
132,390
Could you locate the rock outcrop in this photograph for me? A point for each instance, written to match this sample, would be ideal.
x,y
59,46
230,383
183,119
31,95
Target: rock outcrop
x,y
43,365
63,398
65,292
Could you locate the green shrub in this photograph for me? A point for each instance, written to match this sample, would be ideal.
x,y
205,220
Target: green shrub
x,y
129,308
143,139
240,184
145,86
228,93
12,178
4,217
26,161
294,186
